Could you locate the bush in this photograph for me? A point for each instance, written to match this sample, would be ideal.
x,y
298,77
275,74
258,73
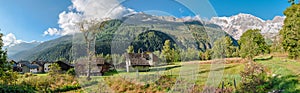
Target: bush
x,y
8,77
49,83
54,69
118,84
28,75
254,77
260,58
71,72
67,88
16,89
208,54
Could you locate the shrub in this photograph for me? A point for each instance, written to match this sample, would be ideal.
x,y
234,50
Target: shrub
x,y
118,84
54,69
49,83
28,75
71,72
67,88
8,77
208,54
16,89
254,77
260,58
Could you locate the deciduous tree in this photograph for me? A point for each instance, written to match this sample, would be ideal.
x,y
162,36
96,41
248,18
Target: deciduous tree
x,y
252,43
290,33
224,47
90,28
167,51
130,49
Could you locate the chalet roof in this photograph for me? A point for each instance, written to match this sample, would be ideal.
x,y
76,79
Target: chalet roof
x,y
138,55
62,62
15,65
23,62
97,61
139,62
138,59
40,63
32,66
80,64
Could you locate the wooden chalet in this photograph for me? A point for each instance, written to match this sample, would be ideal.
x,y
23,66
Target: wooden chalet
x,y
98,66
140,61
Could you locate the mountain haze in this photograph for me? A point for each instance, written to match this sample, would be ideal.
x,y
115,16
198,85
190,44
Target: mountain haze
x,y
12,50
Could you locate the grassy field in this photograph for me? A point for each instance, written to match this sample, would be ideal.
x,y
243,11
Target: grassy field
x,y
181,75
287,71
43,74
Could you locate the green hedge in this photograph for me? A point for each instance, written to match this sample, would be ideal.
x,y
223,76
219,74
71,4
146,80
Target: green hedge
x,y
67,88
262,58
16,89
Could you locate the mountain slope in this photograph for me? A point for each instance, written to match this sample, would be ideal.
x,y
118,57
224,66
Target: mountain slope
x,y
23,55
145,32
12,50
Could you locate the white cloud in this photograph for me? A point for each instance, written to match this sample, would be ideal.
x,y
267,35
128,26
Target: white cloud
x,y
52,31
10,40
87,9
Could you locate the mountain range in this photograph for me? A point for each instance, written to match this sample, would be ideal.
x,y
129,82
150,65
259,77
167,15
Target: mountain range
x,y
236,25
12,50
232,26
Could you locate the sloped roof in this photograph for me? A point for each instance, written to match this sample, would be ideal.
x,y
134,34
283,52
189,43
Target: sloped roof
x,y
32,66
138,59
41,63
23,62
59,62
139,62
80,64
97,61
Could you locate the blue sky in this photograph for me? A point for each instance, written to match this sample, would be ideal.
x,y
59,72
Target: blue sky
x,y
28,19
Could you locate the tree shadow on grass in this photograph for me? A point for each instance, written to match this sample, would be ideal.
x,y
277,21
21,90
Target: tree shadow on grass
x,y
218,69
286,84
111,72
114,72
164,68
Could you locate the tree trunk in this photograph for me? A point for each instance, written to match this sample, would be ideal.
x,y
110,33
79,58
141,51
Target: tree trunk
x,y
89,61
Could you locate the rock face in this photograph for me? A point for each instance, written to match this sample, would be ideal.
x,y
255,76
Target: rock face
x,y
236,25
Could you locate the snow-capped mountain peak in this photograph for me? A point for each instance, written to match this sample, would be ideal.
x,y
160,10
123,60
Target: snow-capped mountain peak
x,y
236,25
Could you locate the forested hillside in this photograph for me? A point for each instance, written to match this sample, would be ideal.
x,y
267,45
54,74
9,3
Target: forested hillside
x,y
144,35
